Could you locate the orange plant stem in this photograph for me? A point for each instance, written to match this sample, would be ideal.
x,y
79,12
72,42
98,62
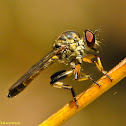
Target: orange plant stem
x,y
87,96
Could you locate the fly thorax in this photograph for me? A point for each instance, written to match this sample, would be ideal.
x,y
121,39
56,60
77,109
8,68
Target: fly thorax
x,y
74,47
73,54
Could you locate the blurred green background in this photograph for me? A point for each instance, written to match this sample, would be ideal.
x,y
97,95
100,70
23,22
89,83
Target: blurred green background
x,y
28,29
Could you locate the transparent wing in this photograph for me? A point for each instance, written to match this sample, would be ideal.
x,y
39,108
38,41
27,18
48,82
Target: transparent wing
x,y
31,73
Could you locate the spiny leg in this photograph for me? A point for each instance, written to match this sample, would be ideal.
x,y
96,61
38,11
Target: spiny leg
x,y
77,71
59,76
87,77
98,64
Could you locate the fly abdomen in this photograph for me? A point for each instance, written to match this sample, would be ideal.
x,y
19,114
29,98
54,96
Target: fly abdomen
x,y
18,86
16,90
32,73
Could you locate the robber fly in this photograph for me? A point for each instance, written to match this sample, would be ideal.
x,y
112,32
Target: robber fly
x,y
69,48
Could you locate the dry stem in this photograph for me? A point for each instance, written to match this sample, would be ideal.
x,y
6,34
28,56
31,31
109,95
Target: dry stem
x,y
86,97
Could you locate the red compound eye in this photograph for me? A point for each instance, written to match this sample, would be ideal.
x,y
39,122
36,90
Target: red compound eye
x,y
90,38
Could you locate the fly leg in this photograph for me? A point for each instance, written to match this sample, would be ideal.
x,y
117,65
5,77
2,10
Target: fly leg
x,y
85,77
88,58
55,78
